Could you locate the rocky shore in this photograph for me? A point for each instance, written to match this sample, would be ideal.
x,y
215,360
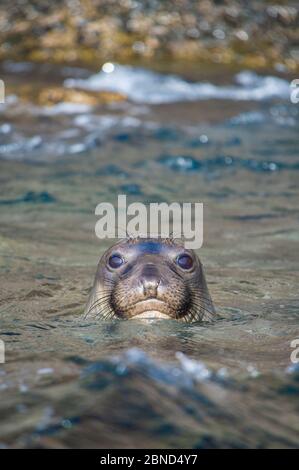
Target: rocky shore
x,y
255,34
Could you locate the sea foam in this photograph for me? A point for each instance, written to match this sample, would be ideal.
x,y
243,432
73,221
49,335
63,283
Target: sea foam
x,y
145,86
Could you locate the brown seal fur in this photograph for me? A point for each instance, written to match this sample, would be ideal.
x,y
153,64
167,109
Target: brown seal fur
x,y
150,278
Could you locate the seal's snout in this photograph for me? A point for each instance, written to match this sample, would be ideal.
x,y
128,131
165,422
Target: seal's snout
x,y
149,280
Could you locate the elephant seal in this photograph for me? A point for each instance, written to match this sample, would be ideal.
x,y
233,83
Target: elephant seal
x,y
150,278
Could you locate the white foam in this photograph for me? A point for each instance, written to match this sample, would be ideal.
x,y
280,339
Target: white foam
x,y
105,122
144,86
195,369
45,371
66,108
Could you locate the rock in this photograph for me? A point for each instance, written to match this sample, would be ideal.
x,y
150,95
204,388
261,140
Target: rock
x,y
51,96
89,33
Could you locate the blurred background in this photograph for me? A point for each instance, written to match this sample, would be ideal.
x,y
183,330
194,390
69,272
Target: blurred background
x,y
255,34
181,100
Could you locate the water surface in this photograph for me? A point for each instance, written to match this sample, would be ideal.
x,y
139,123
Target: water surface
x,y
72,383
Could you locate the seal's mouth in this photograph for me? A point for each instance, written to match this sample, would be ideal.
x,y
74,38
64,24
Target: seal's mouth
x,y
151,315
151,308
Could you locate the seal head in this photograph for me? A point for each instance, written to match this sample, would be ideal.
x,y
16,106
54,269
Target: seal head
x,y
150,278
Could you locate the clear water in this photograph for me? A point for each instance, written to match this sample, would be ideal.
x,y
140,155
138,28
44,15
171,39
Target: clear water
x,y
70,383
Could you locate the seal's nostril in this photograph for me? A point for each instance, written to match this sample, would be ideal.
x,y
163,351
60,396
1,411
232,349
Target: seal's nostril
x,y
150,280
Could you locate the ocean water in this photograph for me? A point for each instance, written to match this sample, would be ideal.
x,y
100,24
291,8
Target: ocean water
x,y
68,382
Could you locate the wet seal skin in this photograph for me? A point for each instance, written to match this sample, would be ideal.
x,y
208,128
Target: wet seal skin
x,y
150,278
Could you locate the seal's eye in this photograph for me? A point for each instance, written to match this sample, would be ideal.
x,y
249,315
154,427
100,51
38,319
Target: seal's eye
x,y
184,261
115,261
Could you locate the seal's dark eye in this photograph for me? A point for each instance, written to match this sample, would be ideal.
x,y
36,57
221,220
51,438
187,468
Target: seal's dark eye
x,y
184,261
115,261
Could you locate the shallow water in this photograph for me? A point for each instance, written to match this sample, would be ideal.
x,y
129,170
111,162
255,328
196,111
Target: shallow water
x,y
72,383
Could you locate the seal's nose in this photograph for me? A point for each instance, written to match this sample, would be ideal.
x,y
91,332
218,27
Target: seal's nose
x,y
150,280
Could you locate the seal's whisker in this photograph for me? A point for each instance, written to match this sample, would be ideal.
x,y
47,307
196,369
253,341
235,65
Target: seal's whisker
x,y
108,313
99,304
205,313
203,308
96,304
104,308
208,306
109,282
202,297
195,314
103,297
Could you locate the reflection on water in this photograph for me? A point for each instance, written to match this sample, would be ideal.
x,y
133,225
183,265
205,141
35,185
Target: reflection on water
x,y
70,383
